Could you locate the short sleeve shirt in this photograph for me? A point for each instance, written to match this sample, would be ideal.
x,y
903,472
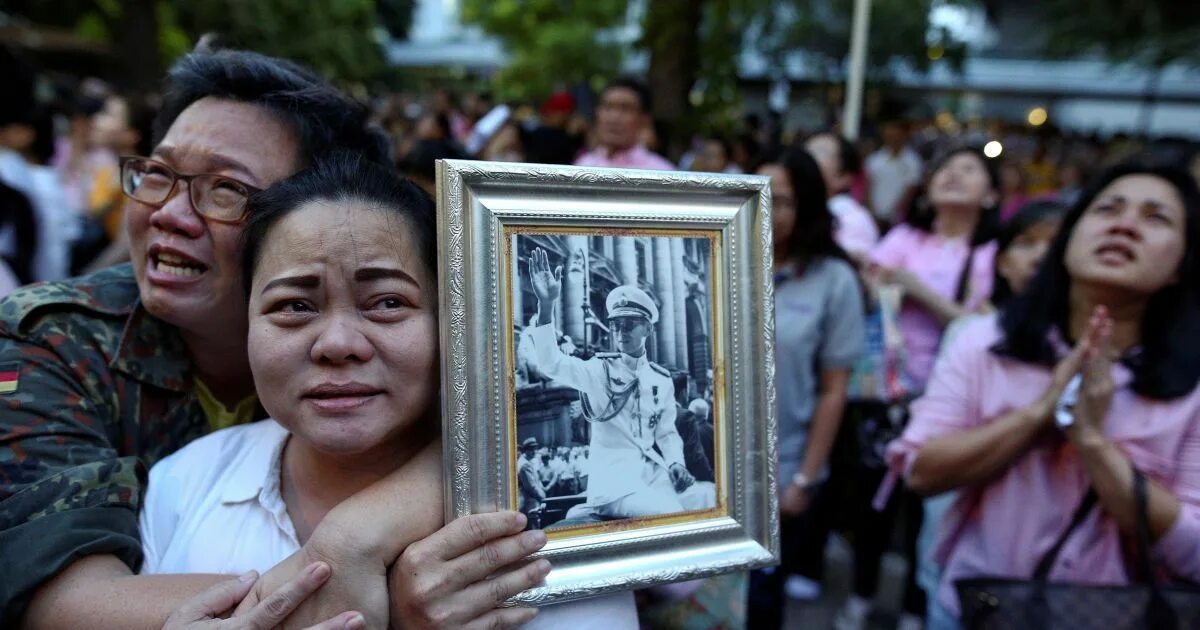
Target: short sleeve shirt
x,y
216,507
818,325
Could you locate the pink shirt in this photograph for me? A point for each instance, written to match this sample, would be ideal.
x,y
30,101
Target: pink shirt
x,y
636,156
1003,528
938,262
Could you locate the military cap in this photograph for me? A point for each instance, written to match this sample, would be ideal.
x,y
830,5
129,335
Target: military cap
x,y
529,443
630,301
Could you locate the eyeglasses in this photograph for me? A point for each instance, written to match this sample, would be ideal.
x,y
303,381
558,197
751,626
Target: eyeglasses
x,y
215,197
624,324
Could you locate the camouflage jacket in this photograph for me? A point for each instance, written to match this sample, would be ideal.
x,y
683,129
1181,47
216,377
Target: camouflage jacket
x,y
102,391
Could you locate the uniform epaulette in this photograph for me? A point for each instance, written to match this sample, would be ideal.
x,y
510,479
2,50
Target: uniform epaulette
x,y
660,369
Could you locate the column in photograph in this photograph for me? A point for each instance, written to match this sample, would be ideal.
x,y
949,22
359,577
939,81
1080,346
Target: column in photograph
x,y
610,248
647,259
665,333
705,302
573,286
679,306
627,261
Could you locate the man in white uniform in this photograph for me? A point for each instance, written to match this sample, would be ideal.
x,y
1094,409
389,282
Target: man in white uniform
x,y
636,465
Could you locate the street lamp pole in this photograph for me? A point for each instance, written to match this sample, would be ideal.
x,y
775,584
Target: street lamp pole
x,y
852,110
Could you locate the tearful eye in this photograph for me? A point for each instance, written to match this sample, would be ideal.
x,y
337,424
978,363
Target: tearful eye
x,y
389,303
294,306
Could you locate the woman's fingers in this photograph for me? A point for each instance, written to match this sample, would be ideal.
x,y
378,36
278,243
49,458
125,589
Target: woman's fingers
x,y
213,601
502,619
490,558
469,533
274,608
1093,344
478,599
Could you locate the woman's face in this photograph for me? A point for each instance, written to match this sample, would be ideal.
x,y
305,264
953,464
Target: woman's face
x,y
343,327
1131,237
783,206
962,181
1018,262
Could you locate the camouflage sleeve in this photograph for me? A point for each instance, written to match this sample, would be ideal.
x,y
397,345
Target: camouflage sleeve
x,y
64,491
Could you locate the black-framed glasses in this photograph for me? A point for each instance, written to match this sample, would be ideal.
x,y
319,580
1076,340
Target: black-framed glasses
x,y
216,197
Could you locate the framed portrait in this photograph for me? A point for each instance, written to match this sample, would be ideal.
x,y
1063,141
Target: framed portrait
x,y
607,367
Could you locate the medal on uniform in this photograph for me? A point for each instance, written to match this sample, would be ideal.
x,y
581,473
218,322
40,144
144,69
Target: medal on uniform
x,y
654,417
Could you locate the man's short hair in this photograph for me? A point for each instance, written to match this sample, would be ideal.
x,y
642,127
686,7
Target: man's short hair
x,y
321,116
638,86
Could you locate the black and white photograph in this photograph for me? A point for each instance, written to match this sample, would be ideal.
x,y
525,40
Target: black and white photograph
x,y
608,352
614,376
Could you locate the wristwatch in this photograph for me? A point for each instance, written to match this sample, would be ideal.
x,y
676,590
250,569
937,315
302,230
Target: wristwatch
x,y
802,480
1064,410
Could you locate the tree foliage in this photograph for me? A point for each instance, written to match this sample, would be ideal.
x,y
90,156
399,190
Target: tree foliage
x,y
339,38
551,43
900,31
1149,32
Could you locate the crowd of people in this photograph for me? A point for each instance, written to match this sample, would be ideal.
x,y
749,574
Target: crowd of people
x,y
1014,338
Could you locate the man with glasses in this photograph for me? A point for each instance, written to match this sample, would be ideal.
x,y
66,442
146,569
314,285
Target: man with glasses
x,y
636,464
103,375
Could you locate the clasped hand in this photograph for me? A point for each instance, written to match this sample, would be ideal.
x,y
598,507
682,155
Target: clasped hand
x,y
1092,360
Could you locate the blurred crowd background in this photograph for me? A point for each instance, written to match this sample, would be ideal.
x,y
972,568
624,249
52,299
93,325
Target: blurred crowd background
x,y
1052,92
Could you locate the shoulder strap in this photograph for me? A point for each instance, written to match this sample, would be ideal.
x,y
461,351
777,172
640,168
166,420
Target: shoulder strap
x,y
1081,512
1159,612
964,279
1145,563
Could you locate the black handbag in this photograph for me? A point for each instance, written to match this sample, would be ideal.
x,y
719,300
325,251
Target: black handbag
x,y
1003,603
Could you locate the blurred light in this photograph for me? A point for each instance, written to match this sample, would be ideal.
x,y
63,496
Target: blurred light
x,y
993,149
944,120
936,52
1037,116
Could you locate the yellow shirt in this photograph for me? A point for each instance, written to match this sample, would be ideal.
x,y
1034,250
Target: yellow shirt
x,y
218,416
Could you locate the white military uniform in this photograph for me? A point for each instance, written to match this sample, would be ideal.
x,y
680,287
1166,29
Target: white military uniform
x,y
634,441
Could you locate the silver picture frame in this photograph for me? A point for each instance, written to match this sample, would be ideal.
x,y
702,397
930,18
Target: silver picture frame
x,y
484,210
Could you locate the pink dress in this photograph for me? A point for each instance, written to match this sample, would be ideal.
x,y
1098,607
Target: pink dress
x,y
1002,528
938,262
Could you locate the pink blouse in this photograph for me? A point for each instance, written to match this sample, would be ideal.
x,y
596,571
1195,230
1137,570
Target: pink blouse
x,y
1002,528
938,262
